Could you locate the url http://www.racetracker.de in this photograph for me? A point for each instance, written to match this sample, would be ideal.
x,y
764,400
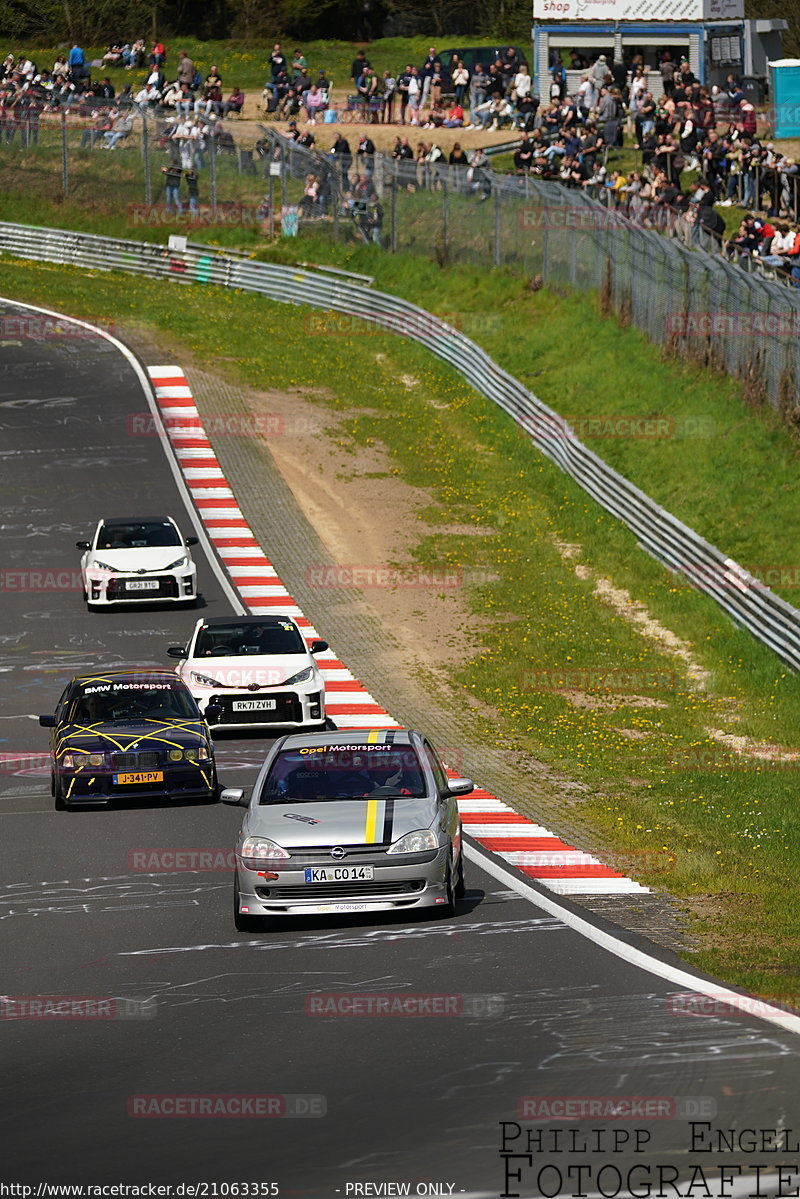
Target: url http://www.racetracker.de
x,y
178,1190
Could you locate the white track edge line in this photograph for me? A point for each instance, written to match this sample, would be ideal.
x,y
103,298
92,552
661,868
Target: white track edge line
x,y
628,953
146,384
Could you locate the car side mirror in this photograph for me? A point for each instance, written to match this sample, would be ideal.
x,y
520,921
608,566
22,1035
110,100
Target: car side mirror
x,y
47,722
318,646
192,540
176,651
235,797
460,786
83,545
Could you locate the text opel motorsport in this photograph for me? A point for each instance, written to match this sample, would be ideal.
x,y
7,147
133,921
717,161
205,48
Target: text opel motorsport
x,y
136,734
349,822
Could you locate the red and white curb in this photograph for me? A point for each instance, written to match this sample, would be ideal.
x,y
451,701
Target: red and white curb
x,y
493,824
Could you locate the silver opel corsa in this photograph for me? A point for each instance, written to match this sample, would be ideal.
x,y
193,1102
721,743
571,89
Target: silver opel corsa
x,y
360,821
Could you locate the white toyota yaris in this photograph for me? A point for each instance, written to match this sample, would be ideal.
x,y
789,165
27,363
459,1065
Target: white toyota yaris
x,y
138,560
253,672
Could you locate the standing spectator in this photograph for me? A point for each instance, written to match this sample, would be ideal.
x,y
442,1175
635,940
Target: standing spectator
x,y
366,155
193,188
342,157
77,62
403,80
278,72
172,185
357,67
600,71
523,155
426,74
522,83
299,64
185,68
387,100
479,175
457,156
477,91
667,68
587,96
460,78
414,95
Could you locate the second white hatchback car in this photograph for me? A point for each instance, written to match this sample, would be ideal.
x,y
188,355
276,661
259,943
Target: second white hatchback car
x,y
138,560
253,671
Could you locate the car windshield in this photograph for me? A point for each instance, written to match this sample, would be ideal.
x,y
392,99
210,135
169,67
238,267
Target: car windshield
x,y
331,772
237,640
100,703
134,535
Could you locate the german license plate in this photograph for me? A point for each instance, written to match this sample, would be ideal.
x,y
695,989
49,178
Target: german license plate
x,y
141,585
254,705
145,776
338,874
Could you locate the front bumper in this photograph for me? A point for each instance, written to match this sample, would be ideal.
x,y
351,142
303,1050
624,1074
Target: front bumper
x,y
93,786
294,709
418,881
174,586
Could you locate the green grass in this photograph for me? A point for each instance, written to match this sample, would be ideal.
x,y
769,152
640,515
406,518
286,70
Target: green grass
x,y
728,830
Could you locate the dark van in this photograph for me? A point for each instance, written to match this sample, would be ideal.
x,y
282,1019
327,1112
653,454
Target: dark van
x,y
472,55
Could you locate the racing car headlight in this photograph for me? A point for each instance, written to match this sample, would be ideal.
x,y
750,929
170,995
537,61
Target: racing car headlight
x,y
301,677
256,850
78,761
417,842
103,566
193,754
203,680
184,561
198,754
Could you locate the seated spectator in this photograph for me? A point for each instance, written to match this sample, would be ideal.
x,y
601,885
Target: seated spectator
x,y
436,117
120,129
94,134
455,117
289,105
148,96
210,98
314,102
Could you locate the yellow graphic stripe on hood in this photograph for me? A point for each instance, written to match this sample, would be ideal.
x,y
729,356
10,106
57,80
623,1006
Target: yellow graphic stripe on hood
x,y
186,726
374,820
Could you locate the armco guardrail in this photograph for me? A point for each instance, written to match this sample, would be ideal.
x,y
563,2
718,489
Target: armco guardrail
x,y
748,602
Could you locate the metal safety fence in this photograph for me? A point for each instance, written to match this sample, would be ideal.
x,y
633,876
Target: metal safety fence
x,y
670,281
744,598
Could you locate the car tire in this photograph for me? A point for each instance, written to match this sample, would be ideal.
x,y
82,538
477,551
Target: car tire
x,y
448,908
242,923
461,883
61,804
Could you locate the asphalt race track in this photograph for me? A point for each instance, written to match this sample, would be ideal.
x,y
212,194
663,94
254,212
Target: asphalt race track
x,y
532,1008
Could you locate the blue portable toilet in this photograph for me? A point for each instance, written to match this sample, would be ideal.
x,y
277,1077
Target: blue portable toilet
x,y
784,75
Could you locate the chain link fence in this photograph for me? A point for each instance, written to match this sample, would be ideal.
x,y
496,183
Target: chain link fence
x,y
674,285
